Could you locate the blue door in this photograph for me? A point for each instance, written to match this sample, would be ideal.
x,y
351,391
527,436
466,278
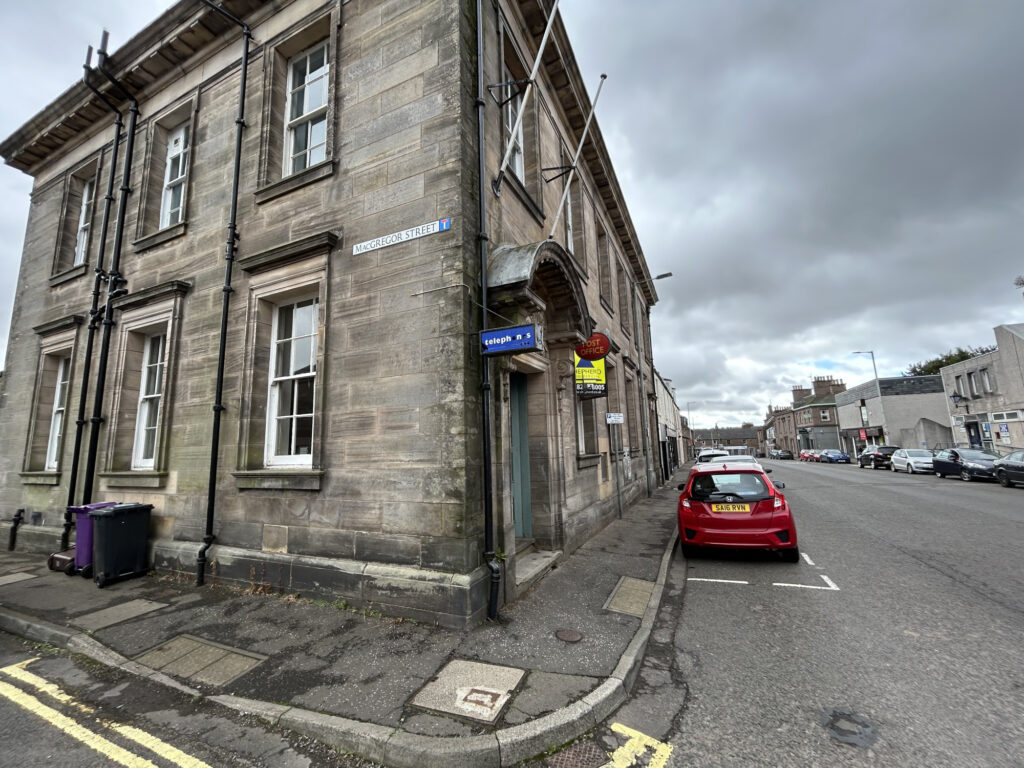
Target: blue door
x,y
520,446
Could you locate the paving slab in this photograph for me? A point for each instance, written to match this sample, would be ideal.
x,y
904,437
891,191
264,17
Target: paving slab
x,y
116,614
470,689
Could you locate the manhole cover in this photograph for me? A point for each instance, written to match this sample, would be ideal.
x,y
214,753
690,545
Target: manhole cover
x,y
582,754
849,727
568,635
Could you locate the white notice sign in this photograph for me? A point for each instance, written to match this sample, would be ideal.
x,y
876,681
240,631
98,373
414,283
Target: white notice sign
x,y
430,228
614,418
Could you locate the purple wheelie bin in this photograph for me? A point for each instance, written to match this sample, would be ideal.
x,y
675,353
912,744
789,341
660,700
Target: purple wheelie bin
x,y
83,536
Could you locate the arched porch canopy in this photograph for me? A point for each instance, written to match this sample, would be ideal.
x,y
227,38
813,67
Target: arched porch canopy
x,y
539,280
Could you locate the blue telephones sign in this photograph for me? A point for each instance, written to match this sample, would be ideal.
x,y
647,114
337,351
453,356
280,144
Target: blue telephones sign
x,y
504,341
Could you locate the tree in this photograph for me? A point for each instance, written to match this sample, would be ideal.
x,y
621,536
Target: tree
x,y
931,367
1019,281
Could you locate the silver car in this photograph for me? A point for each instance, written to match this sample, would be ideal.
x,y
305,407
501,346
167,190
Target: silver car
x,y
911,460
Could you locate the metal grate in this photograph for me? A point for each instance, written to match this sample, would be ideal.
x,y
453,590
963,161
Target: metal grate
x,y
582,754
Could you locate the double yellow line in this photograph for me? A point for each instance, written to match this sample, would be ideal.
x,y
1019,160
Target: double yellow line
x,y
92,740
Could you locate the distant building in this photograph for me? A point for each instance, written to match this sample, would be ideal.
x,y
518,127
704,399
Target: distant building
x,y
810,422
990,389
744,436
911,412
670,431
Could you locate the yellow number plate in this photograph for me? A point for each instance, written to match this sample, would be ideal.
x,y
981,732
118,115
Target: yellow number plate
x,y
730,507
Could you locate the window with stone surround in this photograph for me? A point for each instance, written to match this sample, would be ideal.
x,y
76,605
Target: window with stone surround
x,y
586,426
74,238
299,107
291,394
604,266
164,193
281,413
143,404
52,399
523,170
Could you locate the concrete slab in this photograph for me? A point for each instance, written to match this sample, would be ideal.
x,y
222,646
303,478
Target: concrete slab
x,y
630,596
200,660
116,614
470,689
16,577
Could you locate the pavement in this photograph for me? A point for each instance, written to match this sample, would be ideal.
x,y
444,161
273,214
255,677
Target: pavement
x,y
556,663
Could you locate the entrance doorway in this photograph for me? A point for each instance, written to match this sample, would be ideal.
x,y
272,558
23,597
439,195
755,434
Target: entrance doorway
x,y
973,434
519,434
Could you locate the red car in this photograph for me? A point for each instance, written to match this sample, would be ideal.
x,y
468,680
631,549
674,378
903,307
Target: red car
x,y
738,507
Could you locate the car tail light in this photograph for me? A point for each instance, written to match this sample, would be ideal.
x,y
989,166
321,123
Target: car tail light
x,y
685,503
777,502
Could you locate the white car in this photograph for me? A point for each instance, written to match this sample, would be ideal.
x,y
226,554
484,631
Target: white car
x,y
911,460
711,454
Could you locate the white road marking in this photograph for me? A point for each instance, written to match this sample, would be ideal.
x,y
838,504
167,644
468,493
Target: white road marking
x,y
805,557
721,581
830,588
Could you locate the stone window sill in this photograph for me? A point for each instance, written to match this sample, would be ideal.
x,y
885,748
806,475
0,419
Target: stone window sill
x,y
70,274
136,479
40,478
294,181
587,460
159,238
279,479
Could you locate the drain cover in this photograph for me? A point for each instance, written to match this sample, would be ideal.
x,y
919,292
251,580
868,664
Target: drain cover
x,y
568,635
849,727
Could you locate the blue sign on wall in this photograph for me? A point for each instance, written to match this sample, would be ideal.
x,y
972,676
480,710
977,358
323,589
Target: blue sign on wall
x,y
504,341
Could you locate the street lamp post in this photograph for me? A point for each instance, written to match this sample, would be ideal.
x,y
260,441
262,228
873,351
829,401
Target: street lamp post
x,y
689,424
878,388
643,389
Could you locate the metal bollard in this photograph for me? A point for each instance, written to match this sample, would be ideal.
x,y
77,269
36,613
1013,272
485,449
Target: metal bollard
x,y
18,519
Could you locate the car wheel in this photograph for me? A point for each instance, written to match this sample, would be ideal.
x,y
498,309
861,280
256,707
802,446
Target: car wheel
x,y
690,551
1004,480
791,555
939,474
910,468
965,475
893,468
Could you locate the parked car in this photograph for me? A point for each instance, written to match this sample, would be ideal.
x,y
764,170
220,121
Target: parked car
x,y
967,463
710,454
1010,469
784,454
805,454
911,460
834,456
735,507
877,456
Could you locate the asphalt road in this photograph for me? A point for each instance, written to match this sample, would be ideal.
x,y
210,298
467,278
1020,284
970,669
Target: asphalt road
x,y
898,640
60,710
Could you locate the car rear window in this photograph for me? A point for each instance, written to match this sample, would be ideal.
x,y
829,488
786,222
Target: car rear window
x,y
747,485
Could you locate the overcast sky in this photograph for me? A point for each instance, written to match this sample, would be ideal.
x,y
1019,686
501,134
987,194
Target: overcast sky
x,y
820,177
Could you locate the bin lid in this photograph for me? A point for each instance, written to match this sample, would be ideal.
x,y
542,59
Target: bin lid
x,y
120,509
90,507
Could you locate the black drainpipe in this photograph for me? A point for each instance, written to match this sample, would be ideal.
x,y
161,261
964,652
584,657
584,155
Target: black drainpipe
x,y
114,279
485,364
94,312
229,257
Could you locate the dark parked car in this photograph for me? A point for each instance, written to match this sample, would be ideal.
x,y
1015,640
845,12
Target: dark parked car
x,y
834,456
785,455
967,463
877,456
1010,469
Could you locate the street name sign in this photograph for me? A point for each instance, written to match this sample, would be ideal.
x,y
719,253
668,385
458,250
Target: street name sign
x,y
614,418
430,228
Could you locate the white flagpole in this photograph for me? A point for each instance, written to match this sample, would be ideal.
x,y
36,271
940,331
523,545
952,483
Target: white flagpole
x,y
526,98
576,158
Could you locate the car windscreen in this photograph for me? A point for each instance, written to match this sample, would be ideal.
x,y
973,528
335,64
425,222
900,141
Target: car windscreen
x,y
919,453
714,485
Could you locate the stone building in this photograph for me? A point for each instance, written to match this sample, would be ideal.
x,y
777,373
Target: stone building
x,y
990,387
353,435
670,428
810,422
911,412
